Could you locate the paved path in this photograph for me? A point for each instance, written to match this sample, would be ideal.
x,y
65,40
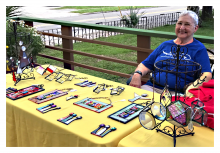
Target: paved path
x,y
65,15
48,12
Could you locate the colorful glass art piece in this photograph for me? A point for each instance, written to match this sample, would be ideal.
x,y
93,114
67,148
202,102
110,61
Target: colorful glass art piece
x,y
147,120
179,114
48,108
86,83
181,118
127,113
117,91
47,96
102,130
51,68
99,87
24,61
158,111
10,90
152,115
69,119
165,97
93,105
24,92
199,116
176,109
40,70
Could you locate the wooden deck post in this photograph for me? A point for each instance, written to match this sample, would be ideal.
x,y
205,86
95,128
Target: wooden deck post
x,y
67,44
143,42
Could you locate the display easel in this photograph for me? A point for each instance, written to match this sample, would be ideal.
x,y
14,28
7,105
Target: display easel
x,y
171,65
20,56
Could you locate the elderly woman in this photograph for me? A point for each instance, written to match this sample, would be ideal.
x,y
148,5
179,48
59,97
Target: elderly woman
x,y
186,26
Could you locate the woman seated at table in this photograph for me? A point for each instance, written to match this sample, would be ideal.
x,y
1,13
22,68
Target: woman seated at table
x,y
186,26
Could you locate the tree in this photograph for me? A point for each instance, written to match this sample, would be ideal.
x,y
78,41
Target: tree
x,y
196,10
12,11
206,12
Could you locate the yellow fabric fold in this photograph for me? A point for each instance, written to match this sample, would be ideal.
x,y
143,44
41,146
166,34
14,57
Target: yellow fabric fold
x,y
203,137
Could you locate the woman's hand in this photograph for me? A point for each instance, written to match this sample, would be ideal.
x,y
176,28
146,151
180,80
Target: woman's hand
x,y
188,94
206,76
136,80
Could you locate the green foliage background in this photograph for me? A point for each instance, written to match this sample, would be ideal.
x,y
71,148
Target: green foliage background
x,y
31,39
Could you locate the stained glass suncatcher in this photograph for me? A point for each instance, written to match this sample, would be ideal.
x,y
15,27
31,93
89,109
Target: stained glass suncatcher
x,y
93,105
127,113
47,96
24,92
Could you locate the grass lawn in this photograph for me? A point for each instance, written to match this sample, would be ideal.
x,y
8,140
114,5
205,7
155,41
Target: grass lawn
x,y
125,54
92,9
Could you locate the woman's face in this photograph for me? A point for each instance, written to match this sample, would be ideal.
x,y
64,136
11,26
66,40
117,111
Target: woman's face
x,y
185,27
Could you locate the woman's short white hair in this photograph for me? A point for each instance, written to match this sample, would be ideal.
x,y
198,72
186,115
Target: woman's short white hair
x,y
192,14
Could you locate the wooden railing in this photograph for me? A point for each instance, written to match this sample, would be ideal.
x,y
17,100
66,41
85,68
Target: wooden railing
x,y
143,43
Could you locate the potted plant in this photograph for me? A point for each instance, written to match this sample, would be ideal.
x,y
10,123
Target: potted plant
x,y
132,18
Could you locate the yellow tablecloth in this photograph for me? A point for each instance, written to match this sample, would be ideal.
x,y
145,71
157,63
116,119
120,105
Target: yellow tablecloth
x,y
25,126
203,137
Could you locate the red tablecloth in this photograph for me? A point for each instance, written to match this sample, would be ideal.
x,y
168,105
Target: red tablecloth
x,y
206,94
